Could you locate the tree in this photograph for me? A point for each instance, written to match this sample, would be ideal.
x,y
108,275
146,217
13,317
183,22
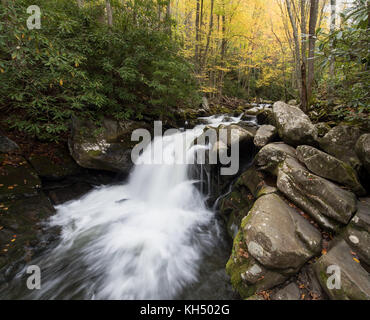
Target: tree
x,y
109,13
314,9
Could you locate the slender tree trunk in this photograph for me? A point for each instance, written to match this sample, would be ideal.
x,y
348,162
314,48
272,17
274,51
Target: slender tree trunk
x,y
80,3
304,102
296,45
333,5
209,33
314,10
197,15
168,16
109,9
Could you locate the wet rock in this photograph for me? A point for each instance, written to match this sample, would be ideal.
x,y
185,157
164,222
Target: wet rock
x,y
329,167
293,125
357,233
274,242
340,142
323,200
278,236
18,178
271,155
7,145
354,280
106,148
54,169
22,234
265,134
289,292
363,150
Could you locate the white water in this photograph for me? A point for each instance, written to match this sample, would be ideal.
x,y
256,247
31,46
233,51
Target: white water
x,y
142,240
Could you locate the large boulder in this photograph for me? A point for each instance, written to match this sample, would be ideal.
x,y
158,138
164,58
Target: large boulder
x,y
294,126
357,233
271,155
363,150
354,281
326,202
340,142
273,243
103,148
265,134
329,167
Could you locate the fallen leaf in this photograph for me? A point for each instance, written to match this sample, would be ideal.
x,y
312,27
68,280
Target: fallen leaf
x,y
358,261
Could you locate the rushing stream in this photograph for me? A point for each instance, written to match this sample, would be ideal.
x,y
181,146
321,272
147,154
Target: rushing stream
x,y
150,238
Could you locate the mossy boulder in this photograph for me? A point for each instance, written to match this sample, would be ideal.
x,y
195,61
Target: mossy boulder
x,y
327,203
340,142
17,178
354,280
329,167
106,147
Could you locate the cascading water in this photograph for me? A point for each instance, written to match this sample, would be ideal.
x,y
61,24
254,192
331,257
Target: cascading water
x,y
152,238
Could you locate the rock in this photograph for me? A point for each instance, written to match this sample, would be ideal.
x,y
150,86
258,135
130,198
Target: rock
x,y
289,292
293,102
277,236
22,218
253,111
340,142
106,148
357,233
293,125
265,134
236,134
205,104
271,155
363,150
311,285
54,169
7,145
322,128
18,178
274,242
265,116
354,280
327,203
329,167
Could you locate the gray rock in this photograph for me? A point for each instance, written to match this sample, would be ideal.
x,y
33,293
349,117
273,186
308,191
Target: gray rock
x,y
103,148
363,150
329,167
354,280
293,125
7,145
322,128
327,203
357,233
277,236
265,134
340,142
271,155
293,102
289,292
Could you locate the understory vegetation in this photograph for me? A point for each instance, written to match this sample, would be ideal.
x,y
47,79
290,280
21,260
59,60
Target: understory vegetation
x,y
141,59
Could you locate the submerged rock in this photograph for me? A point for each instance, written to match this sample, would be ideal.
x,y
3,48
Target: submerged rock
x,y
265,134
363,150
340,142
327,203
329,167
354,281
294,126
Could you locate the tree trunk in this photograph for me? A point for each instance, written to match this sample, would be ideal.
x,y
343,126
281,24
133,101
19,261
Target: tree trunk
x,y
168,16
209,33
109,13
80,3
197,15
314,10
333,5
304,102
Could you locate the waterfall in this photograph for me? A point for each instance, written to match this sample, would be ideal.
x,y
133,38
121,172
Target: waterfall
x,y
145,239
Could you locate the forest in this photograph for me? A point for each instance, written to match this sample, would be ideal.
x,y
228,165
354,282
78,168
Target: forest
x,y
94,207
132,58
